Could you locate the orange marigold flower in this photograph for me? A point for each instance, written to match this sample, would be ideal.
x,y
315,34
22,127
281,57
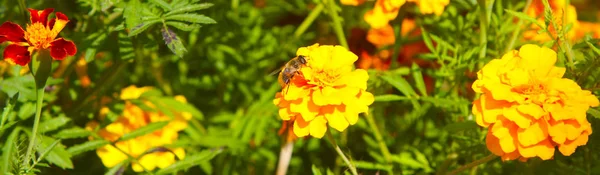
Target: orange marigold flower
x,y
326,91
560,10
381,36
431,6
132,118
40,35
529,108
383,12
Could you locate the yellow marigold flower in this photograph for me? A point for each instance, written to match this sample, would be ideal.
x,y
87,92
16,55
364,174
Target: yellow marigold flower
x,y
529,108
327,91
132,118
352,2
383,12
431,6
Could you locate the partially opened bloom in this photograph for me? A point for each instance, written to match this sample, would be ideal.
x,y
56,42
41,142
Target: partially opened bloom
x,y
327,92
529,108
132,118
40,35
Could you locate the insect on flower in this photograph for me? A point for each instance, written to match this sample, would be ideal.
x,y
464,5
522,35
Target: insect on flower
x,y
289,70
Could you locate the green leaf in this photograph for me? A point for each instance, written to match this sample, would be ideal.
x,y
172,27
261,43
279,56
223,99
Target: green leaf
x,y
182,26
6,111
166,6
401,84
87,146
594,112
58,155
190,161
142,27
178,106
96,40
47,151
144,130
27,110
71,133
315,170
117,168
190,8
418,77
8,150
126,50
53,124
173,42
371,166
193,18
391,97
132,14
526,17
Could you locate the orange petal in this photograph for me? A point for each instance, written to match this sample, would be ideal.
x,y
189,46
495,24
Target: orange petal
x,y
533,134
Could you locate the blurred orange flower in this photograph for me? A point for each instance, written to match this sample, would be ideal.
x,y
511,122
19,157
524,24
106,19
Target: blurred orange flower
x,y
328,91
40,35
431,6
560,11
529,108
132,118
383,12
381,36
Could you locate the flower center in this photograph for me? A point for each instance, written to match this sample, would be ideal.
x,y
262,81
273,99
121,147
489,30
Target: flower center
x,y
326,78
535,92
39,36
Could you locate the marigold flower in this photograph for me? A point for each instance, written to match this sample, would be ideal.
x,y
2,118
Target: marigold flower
x,y
327,91
383,12
132,118
560,10
352,2
431,6
381,36
40,35
529,108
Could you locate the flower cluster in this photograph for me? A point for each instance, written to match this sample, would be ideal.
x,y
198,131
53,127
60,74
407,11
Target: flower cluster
x,y
327,92
564,14
529,108
386,10
40,35
132,118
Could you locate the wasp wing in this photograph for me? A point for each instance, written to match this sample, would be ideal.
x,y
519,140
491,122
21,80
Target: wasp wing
x,y
276,71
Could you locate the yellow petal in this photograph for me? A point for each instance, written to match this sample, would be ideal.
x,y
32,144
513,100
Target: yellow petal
x,y
557,131
533,134
532,109
318,127
513,115
301,128
540,60
337,120
493,144
307,109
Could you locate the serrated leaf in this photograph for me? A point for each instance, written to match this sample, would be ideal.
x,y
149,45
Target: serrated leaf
x,y
47,151
190,8
173,42
193,18
71,133
53,124
182,26
58,155
126,50
142,27
87,146
99,39
401,84
418,77
526,17
8,150
144,130
190,161
166,6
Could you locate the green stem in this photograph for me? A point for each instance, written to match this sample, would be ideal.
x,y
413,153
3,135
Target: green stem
x,y
398,43
484,17
515,33
337,24
339,151
309,20
474,164
41,67
379,138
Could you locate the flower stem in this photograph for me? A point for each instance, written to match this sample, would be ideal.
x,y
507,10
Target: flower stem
x,y
285,155
474,164
484,18
40,66
337,24
309,20
379,138
339,151
515,33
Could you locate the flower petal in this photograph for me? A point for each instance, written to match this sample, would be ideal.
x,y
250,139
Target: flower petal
x,y
59,23
17,54
61,48
40,16
318,127
11,32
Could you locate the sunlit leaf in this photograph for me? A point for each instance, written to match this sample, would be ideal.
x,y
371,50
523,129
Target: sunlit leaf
x,y
144,130
87,146
58,156
190,161
173,42
193,18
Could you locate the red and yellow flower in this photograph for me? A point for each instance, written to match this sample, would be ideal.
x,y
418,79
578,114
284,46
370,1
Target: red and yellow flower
x,y
327,92
529,108
40,35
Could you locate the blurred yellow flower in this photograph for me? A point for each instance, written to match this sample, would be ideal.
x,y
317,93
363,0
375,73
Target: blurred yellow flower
x,y
529,108
383,12
560,11
132,118
352,2
328,91
431,6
